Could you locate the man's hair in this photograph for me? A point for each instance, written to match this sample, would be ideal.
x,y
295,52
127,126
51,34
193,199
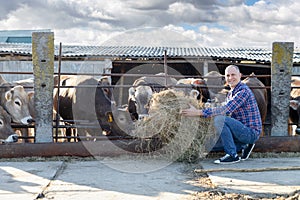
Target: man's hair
x,y
234,66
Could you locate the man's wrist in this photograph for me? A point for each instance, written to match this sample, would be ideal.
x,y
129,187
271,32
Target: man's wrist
x,y
200,113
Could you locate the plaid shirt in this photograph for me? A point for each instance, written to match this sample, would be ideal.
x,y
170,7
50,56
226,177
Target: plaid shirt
x,y
240,105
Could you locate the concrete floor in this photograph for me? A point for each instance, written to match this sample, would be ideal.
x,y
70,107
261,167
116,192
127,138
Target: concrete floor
x,y
147,179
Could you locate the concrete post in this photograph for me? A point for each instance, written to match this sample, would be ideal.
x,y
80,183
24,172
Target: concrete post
x,y
205,67
281,71
43,69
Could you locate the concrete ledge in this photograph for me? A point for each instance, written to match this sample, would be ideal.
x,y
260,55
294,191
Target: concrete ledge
x,y
231,179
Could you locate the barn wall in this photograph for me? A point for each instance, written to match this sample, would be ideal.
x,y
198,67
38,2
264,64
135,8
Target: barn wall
x,y
19,67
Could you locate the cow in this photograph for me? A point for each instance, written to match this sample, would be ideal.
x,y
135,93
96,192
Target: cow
x,y
86,102
29,132
294,111
194,87
28,85
14,99
7,135
216,86
122,124
142,90
260,94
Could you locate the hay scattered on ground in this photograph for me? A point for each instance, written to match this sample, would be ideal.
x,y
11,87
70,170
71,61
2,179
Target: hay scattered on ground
x,y
172,135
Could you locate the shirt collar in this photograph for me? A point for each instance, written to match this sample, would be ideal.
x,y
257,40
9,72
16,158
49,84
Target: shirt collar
x,y
236,87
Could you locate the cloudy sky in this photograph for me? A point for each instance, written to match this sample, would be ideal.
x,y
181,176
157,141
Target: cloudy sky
x,y
210,23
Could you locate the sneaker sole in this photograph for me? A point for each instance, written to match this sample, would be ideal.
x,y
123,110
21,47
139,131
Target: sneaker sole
x,y
243,159
227,163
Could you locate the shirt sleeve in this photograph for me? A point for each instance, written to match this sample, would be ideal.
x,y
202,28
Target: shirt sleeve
x,y
232,104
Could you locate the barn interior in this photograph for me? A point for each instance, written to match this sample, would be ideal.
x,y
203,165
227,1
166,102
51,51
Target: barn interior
x,y
123,68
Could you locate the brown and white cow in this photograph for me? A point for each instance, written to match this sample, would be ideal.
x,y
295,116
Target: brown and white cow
x,y
7,135
294,111
260,93
190,85
142,90
28,85
215,83
85,101
14,100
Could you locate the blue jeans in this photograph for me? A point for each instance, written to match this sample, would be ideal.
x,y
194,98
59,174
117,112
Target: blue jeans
x,y
234,134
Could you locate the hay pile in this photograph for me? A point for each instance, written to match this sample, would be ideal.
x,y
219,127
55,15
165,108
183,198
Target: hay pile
x,y
174,136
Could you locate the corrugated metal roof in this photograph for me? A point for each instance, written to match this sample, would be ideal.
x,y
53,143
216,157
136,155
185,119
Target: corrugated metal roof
x,y
18,36
251,54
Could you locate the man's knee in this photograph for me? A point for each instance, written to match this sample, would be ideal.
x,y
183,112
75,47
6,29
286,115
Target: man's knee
x,y
219,119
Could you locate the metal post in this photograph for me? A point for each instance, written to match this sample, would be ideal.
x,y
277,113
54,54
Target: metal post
x,y
57,118
121,90
281,71
166,68
205,67
43,69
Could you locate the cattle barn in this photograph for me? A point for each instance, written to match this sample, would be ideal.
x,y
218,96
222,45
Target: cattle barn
x,y
123,64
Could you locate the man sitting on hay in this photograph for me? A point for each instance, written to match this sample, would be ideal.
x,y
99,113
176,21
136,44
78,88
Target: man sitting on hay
x,y
238,122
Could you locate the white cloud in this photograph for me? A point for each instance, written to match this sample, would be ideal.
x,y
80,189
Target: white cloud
x,y
209,23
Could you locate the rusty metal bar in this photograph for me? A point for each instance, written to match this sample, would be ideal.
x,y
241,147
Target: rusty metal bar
x,y
133,75
82,149
58,89
278,144
16,73
123,147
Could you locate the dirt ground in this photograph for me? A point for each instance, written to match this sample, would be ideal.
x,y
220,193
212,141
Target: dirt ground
x,y
209,191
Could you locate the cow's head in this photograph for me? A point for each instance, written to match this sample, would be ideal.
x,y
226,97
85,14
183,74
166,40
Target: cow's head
x,y
132,108
200,85
138,101
121,122
215,83
7,135
107,89
187,90
295,113
189,86
16,103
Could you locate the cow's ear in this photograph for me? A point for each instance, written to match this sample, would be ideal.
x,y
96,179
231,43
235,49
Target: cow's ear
x,y
30,94
8,95
294,104
131,91
19,88
198,82
194,94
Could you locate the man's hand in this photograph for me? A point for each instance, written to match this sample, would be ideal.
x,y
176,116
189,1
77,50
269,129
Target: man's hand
x,y
191,112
